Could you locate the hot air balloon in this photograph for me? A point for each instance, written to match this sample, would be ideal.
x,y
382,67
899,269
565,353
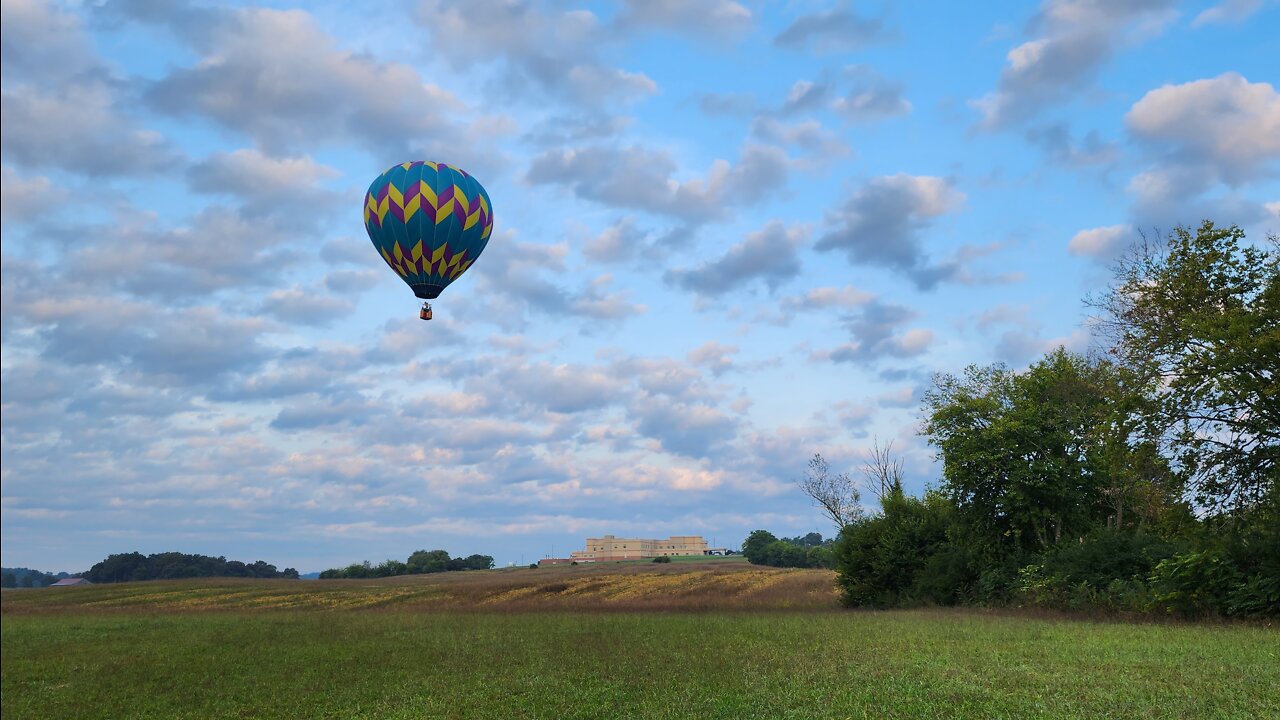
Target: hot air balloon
x,y
429,221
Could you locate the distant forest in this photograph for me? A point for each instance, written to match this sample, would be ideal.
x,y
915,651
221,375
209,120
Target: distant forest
x,y
421,561
26,577
129,567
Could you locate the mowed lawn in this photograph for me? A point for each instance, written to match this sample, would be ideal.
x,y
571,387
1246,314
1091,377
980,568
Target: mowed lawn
x,y
63,658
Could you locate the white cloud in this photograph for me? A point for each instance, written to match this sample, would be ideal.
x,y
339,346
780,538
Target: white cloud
x,y
1076,38
1225,124
838,30
639,178
881,224
769,254
699,19
1228,11
304,90
1100,243
550,51
23,198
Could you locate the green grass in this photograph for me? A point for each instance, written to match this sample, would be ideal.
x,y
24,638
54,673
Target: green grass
x,y
391,663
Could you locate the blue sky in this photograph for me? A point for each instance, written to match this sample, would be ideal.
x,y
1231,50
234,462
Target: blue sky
x,y
728,236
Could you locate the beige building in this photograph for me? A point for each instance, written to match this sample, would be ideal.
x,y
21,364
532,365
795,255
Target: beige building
x,y
616,548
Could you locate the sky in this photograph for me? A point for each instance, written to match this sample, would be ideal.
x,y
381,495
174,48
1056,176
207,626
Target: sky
x,y
728,236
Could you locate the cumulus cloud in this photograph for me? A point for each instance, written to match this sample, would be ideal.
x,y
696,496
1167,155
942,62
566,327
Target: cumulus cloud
x,y
638,178
1228,11
562,388
265,184
809,135
78,127
302,307
877,331
571,129
1199,136
305,90
597,302
664,376
310,412
217,250
551,51
715,356
770,254
193,347
854,417
518,280
804,96
871,96
619,242
1073,40
820,298
699,19
881,223
1101,244
40,43
24,198
1063,149
838,30
292,373
683,428
1225,125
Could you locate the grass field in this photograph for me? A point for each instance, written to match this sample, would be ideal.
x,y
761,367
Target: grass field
x,y
237,650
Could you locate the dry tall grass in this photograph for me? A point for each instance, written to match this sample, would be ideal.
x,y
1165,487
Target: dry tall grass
x,y
677,587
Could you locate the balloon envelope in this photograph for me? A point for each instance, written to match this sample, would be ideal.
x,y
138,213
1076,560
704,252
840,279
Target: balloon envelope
x,y
429,222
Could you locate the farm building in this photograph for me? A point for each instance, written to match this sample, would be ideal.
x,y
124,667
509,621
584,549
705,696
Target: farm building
x,y
71,582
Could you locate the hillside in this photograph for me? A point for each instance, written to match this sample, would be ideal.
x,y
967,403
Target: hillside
x,y
712,585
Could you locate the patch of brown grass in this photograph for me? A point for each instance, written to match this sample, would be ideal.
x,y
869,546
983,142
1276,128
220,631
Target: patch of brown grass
x,y
675,587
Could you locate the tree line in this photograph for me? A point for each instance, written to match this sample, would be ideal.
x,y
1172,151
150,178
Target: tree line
x,y
26,578
421,561
808,551
134,566
1141,478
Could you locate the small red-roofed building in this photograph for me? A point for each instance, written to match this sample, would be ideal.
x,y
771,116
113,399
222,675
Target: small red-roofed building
x,y
71,582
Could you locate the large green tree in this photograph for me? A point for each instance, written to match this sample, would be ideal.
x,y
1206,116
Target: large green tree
x,y
1033,457
1198,314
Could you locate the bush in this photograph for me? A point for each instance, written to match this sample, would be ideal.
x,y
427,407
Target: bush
x,y
1259,595
881,560
662,559
1195,583
1106,569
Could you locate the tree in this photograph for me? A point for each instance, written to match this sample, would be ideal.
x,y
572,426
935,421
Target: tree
x,y
754,547
1028,457
883,471
428,561
813,539
836,494
478,562
390,568
9,580
1199,315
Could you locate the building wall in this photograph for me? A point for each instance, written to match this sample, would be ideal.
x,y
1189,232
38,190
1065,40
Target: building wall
x,y
610,547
